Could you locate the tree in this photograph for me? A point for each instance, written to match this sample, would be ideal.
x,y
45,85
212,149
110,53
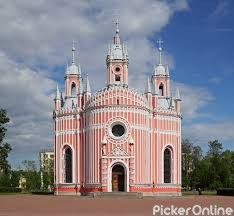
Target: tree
x,y
47,174
215,149
15,177
187,147
29,165
5,180
195,167
5,148
215,169
197,154
227,169
31,175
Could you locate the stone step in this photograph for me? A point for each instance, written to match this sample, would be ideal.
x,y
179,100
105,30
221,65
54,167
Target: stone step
x,y
137,195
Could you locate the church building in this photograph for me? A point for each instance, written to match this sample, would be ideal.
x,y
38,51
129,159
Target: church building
x,y
117,139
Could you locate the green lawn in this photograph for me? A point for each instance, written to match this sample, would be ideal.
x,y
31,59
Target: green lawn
x,y
187,193
14,193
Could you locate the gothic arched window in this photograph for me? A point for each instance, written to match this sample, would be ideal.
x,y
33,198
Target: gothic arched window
x,y
167,165
73,89
68,165
161,90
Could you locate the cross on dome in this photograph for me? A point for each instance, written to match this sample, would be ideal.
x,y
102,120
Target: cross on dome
x,y
116,37
73,52
117,25
160,42
160,49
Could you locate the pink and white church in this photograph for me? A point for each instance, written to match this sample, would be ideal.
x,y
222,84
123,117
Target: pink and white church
x,y
117,139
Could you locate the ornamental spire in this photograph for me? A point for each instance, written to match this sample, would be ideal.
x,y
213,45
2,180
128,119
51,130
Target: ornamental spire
x,y
160,49
148,88
80,89
116,37
87,85
117,26
177,94
167,70
73,52
57,97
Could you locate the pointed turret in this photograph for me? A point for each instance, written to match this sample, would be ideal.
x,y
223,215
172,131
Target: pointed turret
x,y
171,103
177,94
177,100
80,89
148,91
148,88
62,99
87,90
79,68
57,97
87,85
167,71
57,100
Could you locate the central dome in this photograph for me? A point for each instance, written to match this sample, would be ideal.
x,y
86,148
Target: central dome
x,y
73,69
117,95
160,70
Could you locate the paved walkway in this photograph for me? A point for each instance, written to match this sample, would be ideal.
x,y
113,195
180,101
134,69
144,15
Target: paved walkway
x,y
35,205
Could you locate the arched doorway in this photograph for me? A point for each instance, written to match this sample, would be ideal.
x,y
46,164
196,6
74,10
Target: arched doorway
x,y
118,178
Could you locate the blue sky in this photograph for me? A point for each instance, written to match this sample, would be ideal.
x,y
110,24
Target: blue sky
x,y
201,41
35,47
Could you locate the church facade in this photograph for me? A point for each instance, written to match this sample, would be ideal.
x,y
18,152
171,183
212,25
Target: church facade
x,y
117,139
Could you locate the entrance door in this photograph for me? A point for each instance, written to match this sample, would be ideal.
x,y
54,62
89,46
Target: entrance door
x,y
118,178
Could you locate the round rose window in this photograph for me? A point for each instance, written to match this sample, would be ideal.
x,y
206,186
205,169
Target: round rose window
x,y
118,130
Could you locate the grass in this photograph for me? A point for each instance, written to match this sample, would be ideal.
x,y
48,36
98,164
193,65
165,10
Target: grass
x,y
14,193
187,193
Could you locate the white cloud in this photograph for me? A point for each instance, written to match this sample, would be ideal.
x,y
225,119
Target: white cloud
x,y
41,32
201,133
193,100
26,95
38,34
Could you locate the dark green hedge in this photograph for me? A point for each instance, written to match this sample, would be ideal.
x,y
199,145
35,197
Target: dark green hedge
x,y
9,190
225,191
42,192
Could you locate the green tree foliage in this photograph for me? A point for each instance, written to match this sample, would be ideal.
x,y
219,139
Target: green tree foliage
x,y
47,174
31,175
14,178
5,180
191,155
5,148
214,170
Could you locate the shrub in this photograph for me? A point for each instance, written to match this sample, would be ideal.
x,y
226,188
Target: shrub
x,y
9,190
42,192
225,191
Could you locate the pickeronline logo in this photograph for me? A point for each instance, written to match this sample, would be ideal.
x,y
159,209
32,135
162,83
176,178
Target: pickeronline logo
x,y
195,210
